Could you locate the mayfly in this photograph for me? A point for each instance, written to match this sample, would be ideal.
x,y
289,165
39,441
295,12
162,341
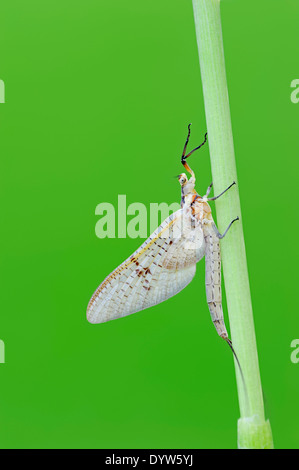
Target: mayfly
x,y
166,262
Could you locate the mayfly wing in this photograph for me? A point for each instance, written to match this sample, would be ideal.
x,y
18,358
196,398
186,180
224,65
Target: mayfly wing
x,y
161,267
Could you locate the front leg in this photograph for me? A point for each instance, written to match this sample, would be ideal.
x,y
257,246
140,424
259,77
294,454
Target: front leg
x,y
209,190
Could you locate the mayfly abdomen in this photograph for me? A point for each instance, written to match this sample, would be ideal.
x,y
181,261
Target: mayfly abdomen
x,y
213,279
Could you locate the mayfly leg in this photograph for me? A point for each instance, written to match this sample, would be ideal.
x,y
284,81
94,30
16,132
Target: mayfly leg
x,y
219,235
184,156
187,140
209,189
219,195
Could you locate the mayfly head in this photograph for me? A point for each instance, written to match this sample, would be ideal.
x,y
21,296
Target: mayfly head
x,y
183,180
187,185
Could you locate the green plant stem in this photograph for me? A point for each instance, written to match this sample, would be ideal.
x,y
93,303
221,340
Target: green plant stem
x,y
253,430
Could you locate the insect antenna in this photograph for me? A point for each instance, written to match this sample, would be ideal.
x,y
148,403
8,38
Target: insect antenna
x,y
184,156
241,372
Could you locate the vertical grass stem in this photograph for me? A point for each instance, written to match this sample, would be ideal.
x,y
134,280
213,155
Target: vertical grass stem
x,y
253,430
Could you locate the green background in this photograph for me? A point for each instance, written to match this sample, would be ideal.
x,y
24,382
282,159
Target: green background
x,y
98,97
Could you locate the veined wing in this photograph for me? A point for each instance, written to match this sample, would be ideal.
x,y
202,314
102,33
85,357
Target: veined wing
x,y
161,267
